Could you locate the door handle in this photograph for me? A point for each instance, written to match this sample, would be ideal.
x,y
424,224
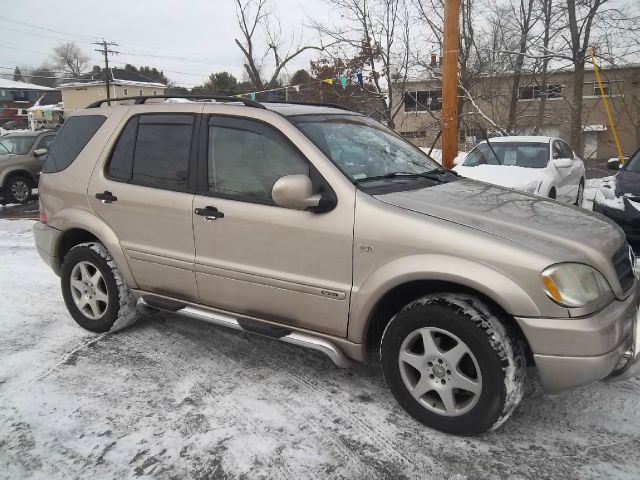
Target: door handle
x,y
106,197
209,213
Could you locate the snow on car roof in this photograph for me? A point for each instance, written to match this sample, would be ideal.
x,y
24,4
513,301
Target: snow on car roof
x,y
521,138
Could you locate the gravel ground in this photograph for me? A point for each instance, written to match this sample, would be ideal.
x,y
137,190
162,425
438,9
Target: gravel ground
x,y
174,398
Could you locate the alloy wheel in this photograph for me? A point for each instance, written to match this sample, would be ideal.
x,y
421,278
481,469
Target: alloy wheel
x,y
20,190
89,290
440,371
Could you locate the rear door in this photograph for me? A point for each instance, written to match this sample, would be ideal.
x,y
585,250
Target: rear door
x,y
144,193
289,266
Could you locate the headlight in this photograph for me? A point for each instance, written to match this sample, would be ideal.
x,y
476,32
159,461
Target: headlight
x,y
531,187
574,284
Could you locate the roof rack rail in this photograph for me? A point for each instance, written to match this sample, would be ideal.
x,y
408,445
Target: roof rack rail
x,y
139,100
312,104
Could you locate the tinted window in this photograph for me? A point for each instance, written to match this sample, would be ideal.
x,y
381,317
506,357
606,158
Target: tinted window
x,y
161,154
46,141
557,150
246,158
74,136
566,150
633,164
121,163
16,144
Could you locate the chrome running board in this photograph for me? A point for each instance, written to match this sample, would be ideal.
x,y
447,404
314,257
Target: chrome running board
x,y
250,325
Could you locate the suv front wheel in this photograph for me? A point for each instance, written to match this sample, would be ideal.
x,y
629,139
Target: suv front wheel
x,y
93,290
452,365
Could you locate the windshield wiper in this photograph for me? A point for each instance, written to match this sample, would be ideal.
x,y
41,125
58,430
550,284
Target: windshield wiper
x,y
434,174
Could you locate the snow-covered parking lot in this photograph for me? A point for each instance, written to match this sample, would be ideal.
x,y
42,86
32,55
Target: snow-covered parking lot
x,y
174,398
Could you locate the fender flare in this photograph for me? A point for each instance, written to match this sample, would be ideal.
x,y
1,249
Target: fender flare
x,y
76,218
467,273
17,169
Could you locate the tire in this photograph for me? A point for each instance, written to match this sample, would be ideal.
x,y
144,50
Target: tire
x,y
580,196
18,189
95,294
491,367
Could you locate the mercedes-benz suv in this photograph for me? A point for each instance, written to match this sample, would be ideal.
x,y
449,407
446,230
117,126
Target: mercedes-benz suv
x,y
320,227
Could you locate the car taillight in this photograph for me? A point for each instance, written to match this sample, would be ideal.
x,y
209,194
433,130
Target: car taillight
x,y
43,216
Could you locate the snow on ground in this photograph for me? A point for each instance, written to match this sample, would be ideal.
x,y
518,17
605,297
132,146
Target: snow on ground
x,y
174,398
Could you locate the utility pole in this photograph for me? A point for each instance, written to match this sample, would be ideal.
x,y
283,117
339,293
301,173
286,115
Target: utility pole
x,y
450,82
105,50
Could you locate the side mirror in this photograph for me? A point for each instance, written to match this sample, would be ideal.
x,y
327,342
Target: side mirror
x,y
563,162
613,164
459,159
39,152
295,191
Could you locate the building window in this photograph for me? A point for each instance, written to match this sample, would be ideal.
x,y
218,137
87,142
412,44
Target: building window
x,y
532,92
423,100
140,92
412,135
126,91
606,86
154,92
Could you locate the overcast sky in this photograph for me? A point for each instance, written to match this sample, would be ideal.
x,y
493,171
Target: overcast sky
x,y
195,37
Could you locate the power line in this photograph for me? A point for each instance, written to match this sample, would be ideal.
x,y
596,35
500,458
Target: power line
x,y
39,27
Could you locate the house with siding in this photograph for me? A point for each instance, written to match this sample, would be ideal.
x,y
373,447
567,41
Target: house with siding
x,y
92,87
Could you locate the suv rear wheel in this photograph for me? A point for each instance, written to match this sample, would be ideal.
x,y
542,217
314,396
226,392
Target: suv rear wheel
x,y
93,290
453,365
18,189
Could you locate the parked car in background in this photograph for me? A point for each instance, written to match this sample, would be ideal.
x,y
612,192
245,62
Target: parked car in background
x,y
544,166
320,227
21,157
618,197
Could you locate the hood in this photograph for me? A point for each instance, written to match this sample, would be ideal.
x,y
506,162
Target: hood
x,y
504,175
628,183
536,222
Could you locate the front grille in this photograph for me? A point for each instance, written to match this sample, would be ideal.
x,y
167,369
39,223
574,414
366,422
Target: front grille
x,y
624,269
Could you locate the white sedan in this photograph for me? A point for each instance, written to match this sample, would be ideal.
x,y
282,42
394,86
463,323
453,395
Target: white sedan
x,y
544,166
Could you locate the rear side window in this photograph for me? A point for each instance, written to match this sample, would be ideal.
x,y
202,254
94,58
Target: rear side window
x,y
154,151
74,136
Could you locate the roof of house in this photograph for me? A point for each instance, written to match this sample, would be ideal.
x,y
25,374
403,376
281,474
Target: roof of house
x,y
117,76
6,84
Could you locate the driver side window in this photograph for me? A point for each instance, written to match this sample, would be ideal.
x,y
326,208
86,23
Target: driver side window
x,y
245,158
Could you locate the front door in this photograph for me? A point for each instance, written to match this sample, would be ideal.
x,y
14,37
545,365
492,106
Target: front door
x,y
144,196
288,266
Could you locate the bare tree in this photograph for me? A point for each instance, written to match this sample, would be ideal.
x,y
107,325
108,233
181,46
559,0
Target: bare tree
x,y
71,59
522,16
377,32
259,25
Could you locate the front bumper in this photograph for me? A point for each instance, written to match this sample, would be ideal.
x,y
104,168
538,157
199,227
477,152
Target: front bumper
x,y
46,239
570,352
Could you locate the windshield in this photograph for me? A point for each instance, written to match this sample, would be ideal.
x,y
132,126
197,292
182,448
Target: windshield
x,y
18,145
633,164
362,148
521,154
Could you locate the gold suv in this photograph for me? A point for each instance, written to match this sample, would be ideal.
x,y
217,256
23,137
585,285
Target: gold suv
x,y
322,228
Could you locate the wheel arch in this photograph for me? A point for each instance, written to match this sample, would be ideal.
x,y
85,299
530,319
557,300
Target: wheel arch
x,y
79,226
385,292
17,170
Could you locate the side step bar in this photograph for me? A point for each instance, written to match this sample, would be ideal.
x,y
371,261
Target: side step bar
x,y
249,325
